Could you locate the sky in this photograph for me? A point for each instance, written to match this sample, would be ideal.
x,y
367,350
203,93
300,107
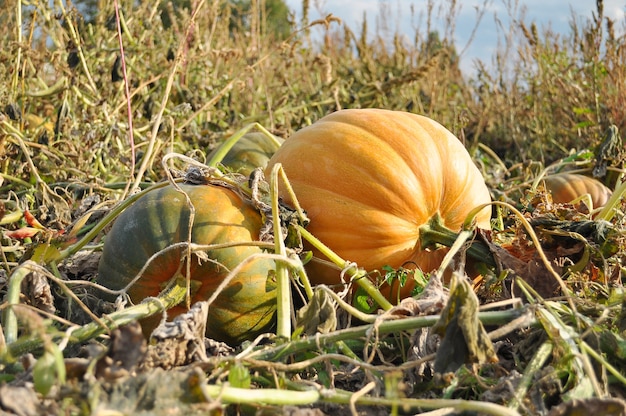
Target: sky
x,y
555,15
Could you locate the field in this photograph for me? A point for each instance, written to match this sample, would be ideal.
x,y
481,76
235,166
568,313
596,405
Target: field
x,y
85,130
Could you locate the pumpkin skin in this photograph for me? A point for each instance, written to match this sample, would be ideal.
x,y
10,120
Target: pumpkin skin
x,y
160,218
251,151
368,179
565,187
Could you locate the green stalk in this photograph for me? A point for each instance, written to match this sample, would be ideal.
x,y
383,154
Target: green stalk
x,y
225,147
357,275
9,319
11,217
601,359
320,341
283,327
535,365
460,406
228,394
609,208
54,89
15,179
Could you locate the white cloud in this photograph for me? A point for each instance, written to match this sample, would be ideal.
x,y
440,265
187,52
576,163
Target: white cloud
x,y
553,14
615,9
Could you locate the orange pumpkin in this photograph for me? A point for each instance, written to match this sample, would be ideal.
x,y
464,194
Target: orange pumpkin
x,y
566,187
368,179
159,219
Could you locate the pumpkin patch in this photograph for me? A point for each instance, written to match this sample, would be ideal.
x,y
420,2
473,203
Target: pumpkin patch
x,y
159,219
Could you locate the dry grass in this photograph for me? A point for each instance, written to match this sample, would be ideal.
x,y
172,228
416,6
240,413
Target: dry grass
x,y
548,93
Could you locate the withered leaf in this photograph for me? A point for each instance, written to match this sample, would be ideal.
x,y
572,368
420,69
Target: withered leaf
x,y
37,289
180,341
20,401
319,315
533,271
607,406
464,337
126,351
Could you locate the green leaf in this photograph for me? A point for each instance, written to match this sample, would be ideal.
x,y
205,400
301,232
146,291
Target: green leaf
x,y
48,370
363,302
239,376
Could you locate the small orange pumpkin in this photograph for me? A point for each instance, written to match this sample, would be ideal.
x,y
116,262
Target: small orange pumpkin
x,y
368,179
566,187
159,219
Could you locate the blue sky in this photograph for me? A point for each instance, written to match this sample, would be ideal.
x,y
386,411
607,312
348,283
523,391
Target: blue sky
x,y
553,14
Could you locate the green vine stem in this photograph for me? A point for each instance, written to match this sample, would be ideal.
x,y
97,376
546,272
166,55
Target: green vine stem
x,y
308,395
9,319
228,394
535,365
608,211
172,297
601,358
283,298
320,341
459,405
358,275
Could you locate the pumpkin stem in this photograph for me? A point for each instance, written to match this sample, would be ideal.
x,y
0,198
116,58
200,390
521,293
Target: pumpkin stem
x,y
434,232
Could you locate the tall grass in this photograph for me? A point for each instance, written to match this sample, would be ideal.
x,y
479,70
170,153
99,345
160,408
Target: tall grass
x,y
552,93
545,94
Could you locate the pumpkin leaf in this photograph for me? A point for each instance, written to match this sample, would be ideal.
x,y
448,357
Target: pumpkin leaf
x,y
49,369
319,315
45,253
464,339
363,301
239,376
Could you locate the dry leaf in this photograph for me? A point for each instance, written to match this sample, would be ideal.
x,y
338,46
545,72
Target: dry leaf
x,y
591,406
464,339
319,315
126,350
